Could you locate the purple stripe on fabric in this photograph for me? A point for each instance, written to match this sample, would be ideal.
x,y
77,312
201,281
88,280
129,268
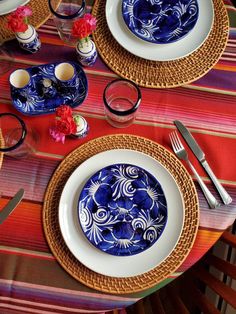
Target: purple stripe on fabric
x,y
64,53
222,80
63,299
39,170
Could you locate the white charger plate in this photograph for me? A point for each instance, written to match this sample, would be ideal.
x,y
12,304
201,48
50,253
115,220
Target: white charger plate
x,y
7,6
160,52
97,260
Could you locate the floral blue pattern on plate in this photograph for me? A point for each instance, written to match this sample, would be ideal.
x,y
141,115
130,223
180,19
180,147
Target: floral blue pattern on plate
x,y
122,209
47,94
160,21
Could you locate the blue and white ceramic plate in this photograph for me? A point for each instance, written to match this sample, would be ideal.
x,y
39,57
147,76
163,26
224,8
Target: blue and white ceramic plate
x,y
159,52
122,209
114,265
160,21
7,6
38,102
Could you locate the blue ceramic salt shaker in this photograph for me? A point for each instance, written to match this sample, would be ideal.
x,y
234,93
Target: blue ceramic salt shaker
x,y
48,89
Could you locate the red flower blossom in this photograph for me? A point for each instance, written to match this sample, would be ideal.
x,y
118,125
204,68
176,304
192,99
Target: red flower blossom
x,y
64,111
64,124
17,20
16,24
84,26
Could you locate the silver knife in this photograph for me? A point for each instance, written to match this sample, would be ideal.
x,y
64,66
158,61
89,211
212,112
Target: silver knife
x,y
11,205
201,158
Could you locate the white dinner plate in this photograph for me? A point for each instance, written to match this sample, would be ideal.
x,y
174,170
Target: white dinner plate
x,y
97,260
7,6
160,52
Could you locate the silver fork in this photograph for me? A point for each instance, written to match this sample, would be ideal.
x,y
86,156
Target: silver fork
x,y
181,153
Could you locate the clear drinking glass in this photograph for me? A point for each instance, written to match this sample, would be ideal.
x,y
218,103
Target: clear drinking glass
x,y
64,15
16,139
121,99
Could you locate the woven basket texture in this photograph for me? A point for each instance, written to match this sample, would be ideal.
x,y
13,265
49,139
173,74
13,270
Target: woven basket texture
x,y
165,74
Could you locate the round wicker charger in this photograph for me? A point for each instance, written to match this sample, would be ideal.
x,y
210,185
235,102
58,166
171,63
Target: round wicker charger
x,y
164,74
41,14
67,259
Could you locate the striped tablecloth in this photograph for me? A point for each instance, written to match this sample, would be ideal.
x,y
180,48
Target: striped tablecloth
x,y
31,280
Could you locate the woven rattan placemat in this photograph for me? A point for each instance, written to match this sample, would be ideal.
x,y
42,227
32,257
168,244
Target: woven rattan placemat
x,y
66,258
165,74
40,15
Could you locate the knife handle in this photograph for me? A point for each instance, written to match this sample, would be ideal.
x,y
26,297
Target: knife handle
x,y
212,201
223,193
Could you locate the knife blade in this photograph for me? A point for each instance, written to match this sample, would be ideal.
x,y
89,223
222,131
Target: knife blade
x,y
198,152
11,205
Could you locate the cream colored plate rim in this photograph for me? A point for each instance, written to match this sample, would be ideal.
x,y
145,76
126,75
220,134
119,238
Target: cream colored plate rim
x,y
160,52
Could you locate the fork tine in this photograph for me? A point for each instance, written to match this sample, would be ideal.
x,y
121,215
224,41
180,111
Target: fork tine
x,y
177,141
174,141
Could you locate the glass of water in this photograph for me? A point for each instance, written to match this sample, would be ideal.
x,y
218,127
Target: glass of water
x,y
121,101
16,140
65,13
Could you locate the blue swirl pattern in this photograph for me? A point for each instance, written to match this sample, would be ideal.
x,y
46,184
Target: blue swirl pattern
x,y
160,21
33,101
122,209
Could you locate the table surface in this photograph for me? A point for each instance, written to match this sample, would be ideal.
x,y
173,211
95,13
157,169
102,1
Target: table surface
x,y
30,278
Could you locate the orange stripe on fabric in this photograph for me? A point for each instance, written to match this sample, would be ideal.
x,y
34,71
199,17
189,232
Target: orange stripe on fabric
x,y
224,67
205,239
52,41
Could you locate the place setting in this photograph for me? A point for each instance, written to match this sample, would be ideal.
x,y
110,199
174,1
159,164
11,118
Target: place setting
x,y
121,210
146,221
160,45
113,184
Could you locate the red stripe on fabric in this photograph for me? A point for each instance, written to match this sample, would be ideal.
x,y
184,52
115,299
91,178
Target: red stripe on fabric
x,y
26,223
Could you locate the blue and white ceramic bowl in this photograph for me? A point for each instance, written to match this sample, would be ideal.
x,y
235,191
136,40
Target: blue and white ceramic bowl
x,y
160,21
122,209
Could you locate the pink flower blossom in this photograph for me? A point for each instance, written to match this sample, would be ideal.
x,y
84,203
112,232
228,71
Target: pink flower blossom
x,y
56,135
23,11
91,20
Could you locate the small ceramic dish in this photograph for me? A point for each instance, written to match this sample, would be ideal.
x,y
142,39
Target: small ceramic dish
x,y
47,92
122,209
160,21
